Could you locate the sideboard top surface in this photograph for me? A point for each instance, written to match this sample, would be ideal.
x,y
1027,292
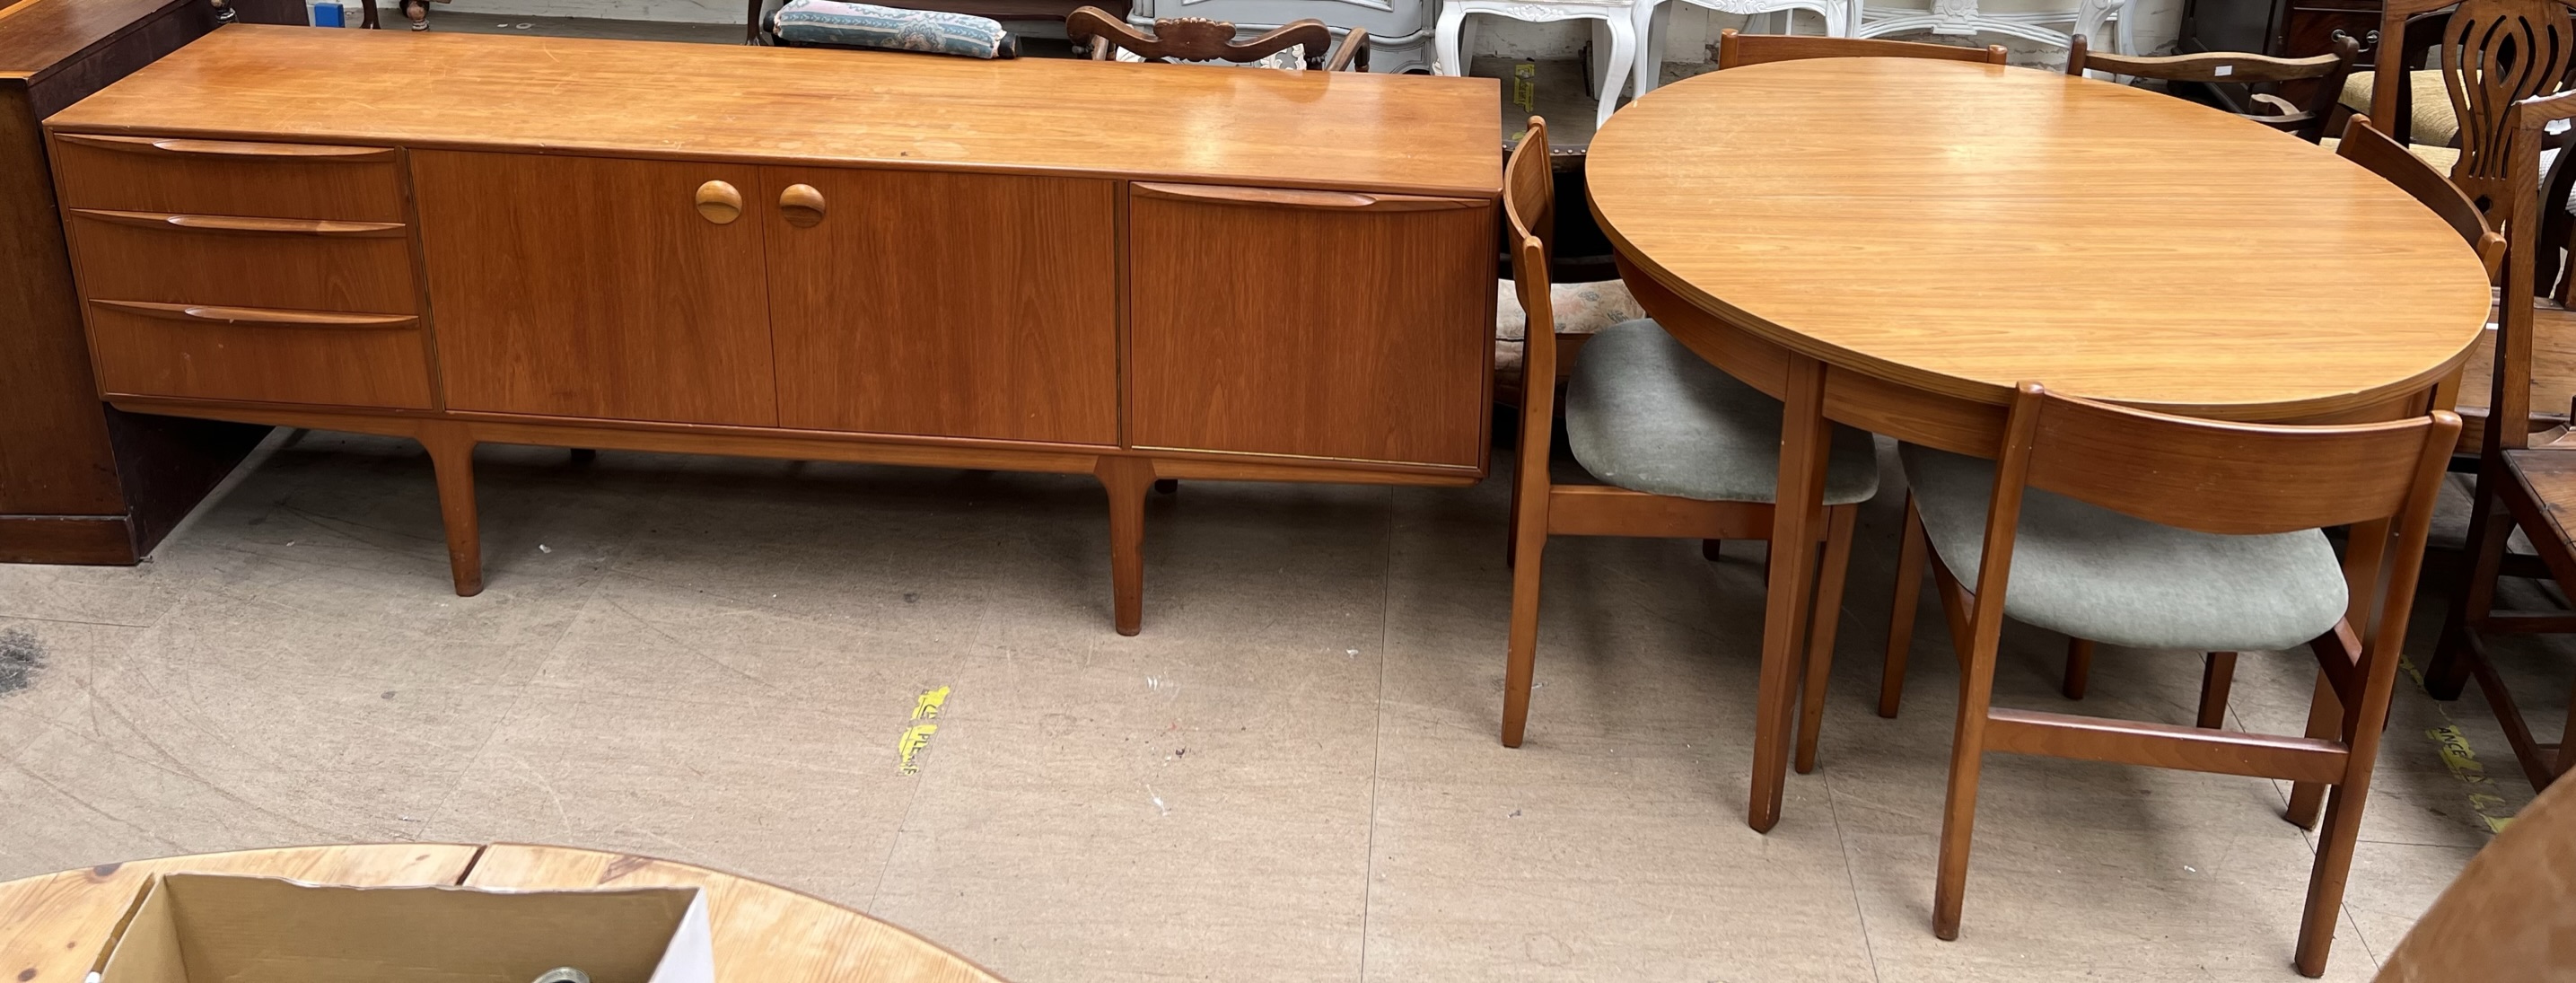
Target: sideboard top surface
x,y
36,35
652,99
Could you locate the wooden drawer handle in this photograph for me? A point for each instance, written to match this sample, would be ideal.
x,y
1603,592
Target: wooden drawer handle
x,y
259,316
238,223
317,152
802,204
718,202
1298,198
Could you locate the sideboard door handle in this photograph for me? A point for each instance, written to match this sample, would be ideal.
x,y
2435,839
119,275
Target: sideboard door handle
x,y
239,223
802,204
259,316
1298,197
719,202
317,152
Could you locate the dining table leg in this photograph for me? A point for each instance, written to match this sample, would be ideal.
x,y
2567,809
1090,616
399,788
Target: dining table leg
x,y
1796,514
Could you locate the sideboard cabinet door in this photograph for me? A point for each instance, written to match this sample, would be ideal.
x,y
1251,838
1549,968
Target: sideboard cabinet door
x,y
595,287
958,305
1311,324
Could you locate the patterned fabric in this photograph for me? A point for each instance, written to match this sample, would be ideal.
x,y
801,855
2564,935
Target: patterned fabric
x,y
2434,123
859,25
1292,59
1581,308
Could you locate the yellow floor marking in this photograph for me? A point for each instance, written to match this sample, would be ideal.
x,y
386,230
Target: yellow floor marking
x,y
916,737
2462,761
929,703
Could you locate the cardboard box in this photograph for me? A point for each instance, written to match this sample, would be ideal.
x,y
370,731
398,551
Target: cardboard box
x,y
208,928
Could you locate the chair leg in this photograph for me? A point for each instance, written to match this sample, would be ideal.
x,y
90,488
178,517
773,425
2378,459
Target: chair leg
x,y
1445,58
2325,720
2079,667
1820,630
2490,526
1967,761
1529,539
1650,50
2217,673
1623,55
1126,479
1900,611
451,459
2360,730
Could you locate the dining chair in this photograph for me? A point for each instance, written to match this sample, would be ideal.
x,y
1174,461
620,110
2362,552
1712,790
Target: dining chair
x,y
2510,913
1654,14
2168,532
2362,145
1296,45
2491,54
1681,449
2239,68
1736,49
2520,485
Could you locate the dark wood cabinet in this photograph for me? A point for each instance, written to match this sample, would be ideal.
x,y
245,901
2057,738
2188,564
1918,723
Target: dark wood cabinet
x,y
80,482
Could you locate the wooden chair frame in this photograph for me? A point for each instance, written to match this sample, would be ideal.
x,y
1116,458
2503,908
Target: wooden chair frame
x,y
1200,39
1736,49
2504,475
2238,68
1542,508
2216,478
2494,54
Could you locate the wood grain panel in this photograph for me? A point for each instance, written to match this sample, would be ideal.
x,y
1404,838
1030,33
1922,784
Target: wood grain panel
x,y
55,458
1325,331
218,353
587,286
761,932
458,91
273,180
88,539
119,259
951,304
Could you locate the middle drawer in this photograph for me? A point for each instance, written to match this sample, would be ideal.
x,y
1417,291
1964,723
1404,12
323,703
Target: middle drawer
x,y
301,264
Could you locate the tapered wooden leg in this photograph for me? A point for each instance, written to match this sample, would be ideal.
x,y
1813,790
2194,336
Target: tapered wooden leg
x,y
2217,673
1820,630
1127,479
1967,763
2483,554
2079,667
1805,440
451,458
1900,611
1529,545
2325,719
1712,550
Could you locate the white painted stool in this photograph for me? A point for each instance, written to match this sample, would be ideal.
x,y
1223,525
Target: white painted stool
x,y
1961,17
1654,17
1615,22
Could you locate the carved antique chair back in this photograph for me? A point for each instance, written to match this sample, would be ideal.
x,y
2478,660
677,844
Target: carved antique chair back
x,y
2238,68
1736,49
2492,54
1185,39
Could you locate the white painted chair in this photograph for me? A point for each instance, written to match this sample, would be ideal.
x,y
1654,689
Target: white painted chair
x,y
1654,18
1961,17
1615,25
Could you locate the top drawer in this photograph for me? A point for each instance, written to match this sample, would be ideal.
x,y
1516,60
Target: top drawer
x,y
228,177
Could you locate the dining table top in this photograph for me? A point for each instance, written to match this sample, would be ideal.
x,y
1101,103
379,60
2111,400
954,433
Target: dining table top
x,y
1959,228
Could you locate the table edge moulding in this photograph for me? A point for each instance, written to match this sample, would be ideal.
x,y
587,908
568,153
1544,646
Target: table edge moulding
x,y
816,255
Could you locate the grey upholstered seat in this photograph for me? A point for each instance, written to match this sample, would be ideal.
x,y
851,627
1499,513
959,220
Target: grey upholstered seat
x,y
2097,574
1643,413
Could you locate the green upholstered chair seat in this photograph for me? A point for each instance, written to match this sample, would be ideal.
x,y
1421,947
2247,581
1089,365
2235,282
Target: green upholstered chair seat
x,y
1644,413
2096,574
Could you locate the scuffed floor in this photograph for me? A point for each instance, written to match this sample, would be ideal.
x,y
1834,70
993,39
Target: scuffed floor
x,y
1291,775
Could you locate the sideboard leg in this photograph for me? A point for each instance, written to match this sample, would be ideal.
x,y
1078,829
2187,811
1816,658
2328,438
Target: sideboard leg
x,y
1127,479
451,455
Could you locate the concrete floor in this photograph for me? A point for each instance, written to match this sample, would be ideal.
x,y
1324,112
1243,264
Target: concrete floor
x,y
1291,775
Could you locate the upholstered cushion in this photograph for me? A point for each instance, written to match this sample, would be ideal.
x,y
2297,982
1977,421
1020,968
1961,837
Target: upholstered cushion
x,y
1581,308
1643,412
2441,159
1290,59
859,25
2433,122
2097,574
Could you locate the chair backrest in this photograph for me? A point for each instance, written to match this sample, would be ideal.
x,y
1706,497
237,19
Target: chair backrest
x,y
2366,146
1199,39
2510,913
2525,126
1736,49
2493,54
1529,206
2239,68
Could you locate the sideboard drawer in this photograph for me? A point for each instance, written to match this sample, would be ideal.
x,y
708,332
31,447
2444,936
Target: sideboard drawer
x,y
262,355
295,264
1316,324
229,177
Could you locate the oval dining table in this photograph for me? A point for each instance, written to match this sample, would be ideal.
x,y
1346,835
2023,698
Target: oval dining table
x,y
1894,244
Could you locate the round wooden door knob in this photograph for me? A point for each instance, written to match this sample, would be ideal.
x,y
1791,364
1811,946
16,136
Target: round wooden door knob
x,y
802,204
718,202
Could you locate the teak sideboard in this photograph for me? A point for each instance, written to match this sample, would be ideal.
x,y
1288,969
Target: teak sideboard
x,y
1139,272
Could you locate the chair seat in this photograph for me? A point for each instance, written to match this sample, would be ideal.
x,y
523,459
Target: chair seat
x,y
2096,574
1644,413
2433,120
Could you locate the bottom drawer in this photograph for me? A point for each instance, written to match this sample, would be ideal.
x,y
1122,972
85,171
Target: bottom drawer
x,y
256,354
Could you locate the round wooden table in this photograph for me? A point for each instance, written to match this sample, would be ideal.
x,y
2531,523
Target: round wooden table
x,y
53,926
1895,243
